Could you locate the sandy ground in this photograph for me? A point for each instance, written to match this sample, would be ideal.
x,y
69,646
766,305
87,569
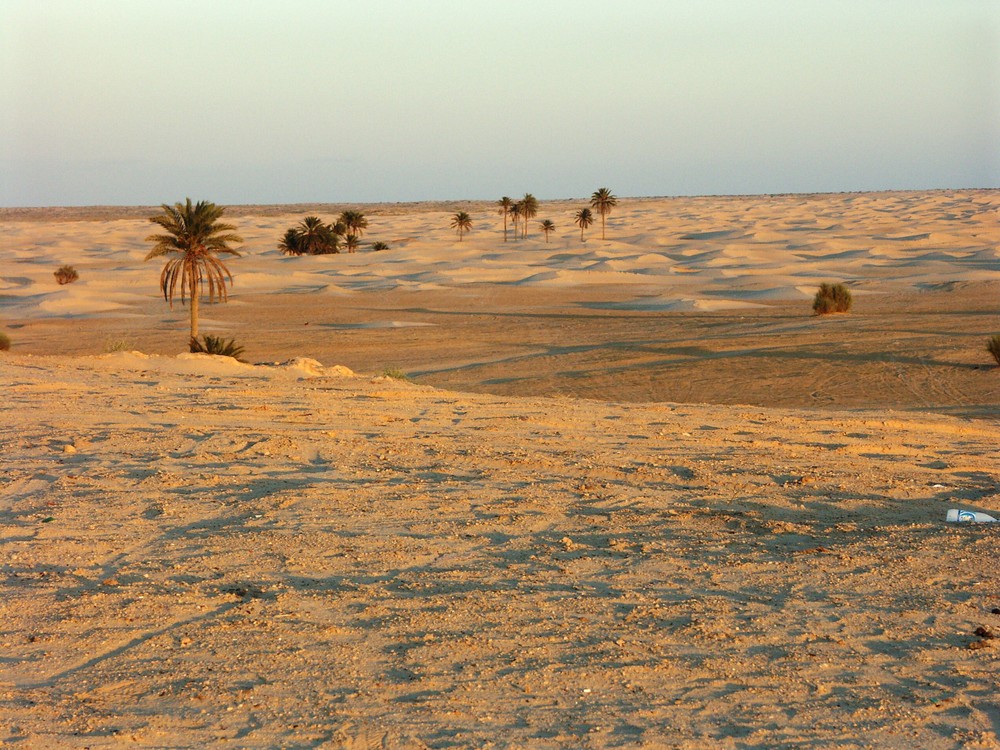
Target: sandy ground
x,y
633,494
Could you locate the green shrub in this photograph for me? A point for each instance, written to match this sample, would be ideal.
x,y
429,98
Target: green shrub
x,y
66,275
380,246
993,347
217,345
832,298
4,342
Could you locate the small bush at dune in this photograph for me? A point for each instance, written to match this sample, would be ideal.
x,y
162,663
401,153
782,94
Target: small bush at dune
x,y
832,298
992,346
66,275
4,342
376,246
118,345
217,345
395,373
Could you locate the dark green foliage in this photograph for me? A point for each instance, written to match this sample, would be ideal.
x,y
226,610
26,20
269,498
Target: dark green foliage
x,y
832,298
993,347
311,237
217,345
4,342
66,275
380,246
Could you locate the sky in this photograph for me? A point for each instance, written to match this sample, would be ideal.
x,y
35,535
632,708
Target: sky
x,y
118,102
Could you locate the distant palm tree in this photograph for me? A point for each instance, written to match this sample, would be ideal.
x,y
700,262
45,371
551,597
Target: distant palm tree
x,y
548,227
354,222
351,243
317,238
515,214
195,233
505,204
584,218
462,222
529,210
603,201
291,244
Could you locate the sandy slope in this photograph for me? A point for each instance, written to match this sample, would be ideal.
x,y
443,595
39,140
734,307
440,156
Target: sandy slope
x,y
198,552
259,557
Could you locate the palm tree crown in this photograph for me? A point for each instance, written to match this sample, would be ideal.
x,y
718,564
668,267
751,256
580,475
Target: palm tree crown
x,y
196,235
354,222
603,200
583,219
462,222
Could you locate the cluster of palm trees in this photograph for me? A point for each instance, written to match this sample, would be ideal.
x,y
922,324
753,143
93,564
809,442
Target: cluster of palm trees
x,y
602,201
194,233
313,237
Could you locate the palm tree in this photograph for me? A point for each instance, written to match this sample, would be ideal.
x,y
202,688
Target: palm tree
x,y
584,218
529,210
354,222
505,204
291,244
317,238
195,233
515,214
603,201
462,222
351,242
548,227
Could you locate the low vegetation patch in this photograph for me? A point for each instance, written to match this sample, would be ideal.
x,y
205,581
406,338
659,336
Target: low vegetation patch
x,y
66,275
993,347
217,345
118,345
832,298
4,342
395,373
378,246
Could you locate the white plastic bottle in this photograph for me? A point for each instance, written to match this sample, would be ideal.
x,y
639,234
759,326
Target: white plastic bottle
x,y
958,516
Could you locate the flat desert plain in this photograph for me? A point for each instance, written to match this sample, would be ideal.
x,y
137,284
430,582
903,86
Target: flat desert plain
x,y
632,494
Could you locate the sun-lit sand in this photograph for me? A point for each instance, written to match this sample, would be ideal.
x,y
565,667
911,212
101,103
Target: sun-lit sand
x,y
633,493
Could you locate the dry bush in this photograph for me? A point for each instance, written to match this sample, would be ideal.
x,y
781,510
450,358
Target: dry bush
x,y
993,347
4,342
832,298
66,275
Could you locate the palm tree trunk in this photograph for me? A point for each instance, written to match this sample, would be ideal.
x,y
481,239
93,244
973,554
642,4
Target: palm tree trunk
x,y
602,225
194,309
504,226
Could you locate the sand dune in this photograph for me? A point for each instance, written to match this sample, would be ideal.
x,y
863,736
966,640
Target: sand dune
x,y
634,494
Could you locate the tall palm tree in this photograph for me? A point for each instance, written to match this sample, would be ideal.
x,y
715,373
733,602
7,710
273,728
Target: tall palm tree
x,y
351,243
548,227
462,222
603,201
529,210
583,219
515,214
196,235
354,222
505,204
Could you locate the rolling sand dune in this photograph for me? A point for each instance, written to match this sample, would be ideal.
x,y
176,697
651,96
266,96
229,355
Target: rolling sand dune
x,y
633,494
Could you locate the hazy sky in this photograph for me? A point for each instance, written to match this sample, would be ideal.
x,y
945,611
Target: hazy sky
x,y
280,101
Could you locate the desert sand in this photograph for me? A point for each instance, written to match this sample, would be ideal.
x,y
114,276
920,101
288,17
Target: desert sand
x,y
633,494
